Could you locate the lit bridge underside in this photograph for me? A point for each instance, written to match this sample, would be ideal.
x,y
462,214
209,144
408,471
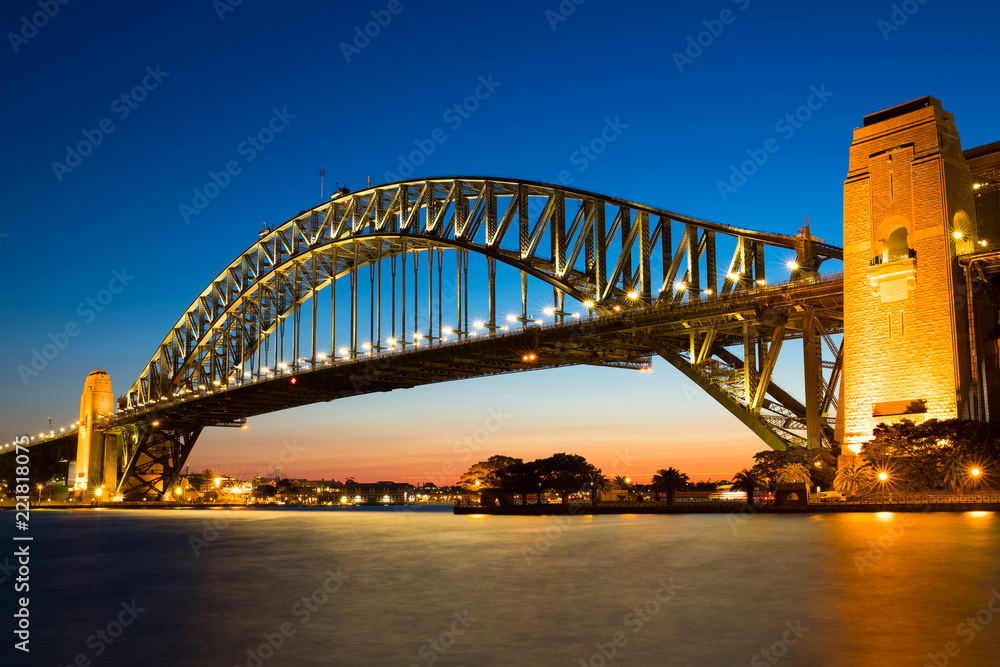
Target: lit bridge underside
x,y
620,282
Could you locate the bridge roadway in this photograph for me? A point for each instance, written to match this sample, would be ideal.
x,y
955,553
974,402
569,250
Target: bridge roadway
x,y
679,331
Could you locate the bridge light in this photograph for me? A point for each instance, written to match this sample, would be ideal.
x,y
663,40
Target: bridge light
x,y
975,472
882,476
976,186
733,276
549,311
708,292
576,314
282,365
478,324
792,264
156,423
294,380
633,294
98,492
680,287
417,335
761,282
983,243
588,304
244,426
448,330
216,382
958,235
343,350
366,346
321,356
617,308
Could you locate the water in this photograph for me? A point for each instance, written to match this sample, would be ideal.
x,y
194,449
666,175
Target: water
x,y
651,590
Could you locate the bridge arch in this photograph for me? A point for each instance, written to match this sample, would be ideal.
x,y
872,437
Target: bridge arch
x,y
589,247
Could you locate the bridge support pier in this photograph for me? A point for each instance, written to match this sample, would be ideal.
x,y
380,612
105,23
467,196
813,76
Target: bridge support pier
x,y
154,461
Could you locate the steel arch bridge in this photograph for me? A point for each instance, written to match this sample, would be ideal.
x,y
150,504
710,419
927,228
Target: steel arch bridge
x,y
350,297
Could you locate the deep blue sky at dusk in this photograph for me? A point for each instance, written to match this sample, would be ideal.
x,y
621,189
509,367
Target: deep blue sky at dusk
x,y
555,85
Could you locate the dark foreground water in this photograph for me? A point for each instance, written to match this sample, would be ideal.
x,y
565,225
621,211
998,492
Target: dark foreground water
x,y
420,586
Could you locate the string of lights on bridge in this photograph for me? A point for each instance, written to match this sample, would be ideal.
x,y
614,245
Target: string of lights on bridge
x,y
392,345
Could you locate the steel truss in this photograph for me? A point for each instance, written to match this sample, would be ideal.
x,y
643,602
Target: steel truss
x,y
721,324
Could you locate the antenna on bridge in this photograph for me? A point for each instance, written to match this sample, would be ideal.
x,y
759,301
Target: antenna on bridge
x,y
321,183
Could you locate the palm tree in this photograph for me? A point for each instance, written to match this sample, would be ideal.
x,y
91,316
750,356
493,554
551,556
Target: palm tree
x,y
854,479
623,483
748,481
669,480
598,483
795,472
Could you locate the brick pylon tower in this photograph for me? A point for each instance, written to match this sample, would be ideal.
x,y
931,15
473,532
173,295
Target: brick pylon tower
x,y
908,214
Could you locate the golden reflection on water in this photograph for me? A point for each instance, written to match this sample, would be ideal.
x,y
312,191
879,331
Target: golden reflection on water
x,y
908,582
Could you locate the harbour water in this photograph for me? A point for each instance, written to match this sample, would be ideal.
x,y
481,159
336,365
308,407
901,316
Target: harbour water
x,y
420,586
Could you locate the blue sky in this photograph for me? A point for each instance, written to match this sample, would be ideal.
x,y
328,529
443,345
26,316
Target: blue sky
x,y
211,74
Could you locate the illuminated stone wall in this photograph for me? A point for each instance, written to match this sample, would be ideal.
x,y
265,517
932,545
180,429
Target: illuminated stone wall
x,y
905,330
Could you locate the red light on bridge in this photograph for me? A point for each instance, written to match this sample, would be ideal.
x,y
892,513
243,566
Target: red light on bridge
x,y
294,380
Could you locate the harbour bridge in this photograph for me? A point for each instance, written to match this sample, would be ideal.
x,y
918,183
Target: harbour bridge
x,y
371,291
429,280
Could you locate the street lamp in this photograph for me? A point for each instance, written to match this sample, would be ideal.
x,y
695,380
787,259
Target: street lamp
x,y
39,494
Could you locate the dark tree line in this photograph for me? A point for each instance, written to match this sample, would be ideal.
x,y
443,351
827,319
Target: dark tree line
x,y
936,454
501,478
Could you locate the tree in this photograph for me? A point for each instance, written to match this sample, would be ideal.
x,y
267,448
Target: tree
x,y
264,491
795,472
566,473
854,479
598,483
669,481
486,474
748,481
936,453
621,483
820,462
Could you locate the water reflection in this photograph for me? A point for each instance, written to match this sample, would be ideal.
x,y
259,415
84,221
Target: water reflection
x,y
422,585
